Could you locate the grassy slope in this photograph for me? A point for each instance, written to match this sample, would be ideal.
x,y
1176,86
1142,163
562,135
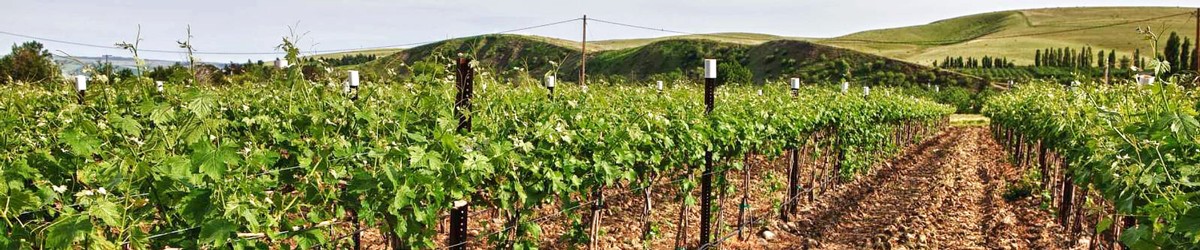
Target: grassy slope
x,y
737,38
1008,33
769,60
376,52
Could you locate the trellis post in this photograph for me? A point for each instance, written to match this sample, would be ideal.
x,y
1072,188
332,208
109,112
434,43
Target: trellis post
x,y
465,81
710,87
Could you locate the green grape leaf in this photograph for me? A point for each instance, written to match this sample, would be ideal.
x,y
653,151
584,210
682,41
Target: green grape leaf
x,y
214,161
81,144
125,124
216,232
106,211
66,230
202,105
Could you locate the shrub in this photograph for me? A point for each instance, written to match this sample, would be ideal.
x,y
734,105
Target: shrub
x,y
28,62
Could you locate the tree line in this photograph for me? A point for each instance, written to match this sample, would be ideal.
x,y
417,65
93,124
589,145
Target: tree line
x,y
987,62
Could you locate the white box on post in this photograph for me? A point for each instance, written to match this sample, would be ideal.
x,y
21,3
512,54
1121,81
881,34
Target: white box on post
x,y
80,83
710,68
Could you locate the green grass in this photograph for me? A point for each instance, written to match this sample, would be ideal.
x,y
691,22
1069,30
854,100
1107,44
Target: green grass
x,y
1016,34
375,52
968,120
730,37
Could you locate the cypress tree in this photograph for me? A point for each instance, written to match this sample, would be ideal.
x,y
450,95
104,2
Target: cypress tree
x,y
1037,58
1171,51
1112,58
1137,58
1184,56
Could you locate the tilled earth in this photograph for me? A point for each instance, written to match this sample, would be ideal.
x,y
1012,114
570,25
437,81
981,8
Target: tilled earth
x,y
943,193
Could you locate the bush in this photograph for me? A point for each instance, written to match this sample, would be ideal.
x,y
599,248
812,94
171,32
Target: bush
x,y
732,72
28,62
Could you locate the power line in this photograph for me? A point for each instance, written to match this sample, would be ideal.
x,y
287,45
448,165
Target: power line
x,y
113,47
670,31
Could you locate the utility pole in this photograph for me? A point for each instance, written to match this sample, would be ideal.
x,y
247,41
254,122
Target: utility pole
x,y
583,59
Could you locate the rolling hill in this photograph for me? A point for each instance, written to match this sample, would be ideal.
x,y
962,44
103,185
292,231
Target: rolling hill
x,y
1013,34
1017,34
677,57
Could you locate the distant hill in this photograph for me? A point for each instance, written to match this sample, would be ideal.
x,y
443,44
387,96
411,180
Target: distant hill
x,y
74,65
1017,34
680,57
1013,34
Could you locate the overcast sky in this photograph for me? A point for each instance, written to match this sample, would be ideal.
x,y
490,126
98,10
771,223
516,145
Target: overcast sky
x,y
257,26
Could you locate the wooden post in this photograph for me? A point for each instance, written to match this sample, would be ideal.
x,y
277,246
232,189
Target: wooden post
x,y
465,81
1068,197
1042,164
745,197
710,87
793,167
1196,56
583,58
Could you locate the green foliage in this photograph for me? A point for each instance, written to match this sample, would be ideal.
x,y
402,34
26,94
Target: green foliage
x,y
202,166
28,62
1136,145
732,72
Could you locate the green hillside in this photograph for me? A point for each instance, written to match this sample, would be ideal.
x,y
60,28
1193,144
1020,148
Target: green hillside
x,y
1017,34
526,58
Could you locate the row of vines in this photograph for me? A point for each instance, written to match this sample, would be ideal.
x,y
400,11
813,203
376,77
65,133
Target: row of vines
x,y
302,164
1121,160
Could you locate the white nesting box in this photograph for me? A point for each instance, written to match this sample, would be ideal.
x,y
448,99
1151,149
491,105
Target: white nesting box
x,y
353,79
659,86
845,87
550,81
158,85
866,91
795,83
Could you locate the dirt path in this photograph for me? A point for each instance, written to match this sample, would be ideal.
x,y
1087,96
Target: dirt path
x,y
945,193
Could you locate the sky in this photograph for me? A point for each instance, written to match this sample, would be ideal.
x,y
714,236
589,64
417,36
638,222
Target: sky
x,y
258,26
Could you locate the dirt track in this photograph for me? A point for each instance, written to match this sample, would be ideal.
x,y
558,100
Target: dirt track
x,y
943,194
